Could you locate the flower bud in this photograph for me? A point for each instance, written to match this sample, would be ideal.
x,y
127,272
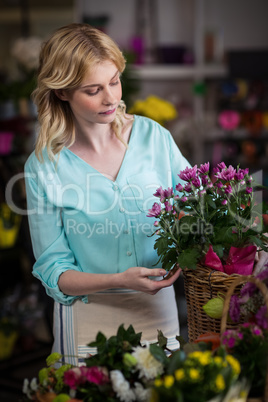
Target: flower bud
x,y
129,360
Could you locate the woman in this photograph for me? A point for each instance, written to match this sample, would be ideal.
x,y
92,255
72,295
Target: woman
x,y
90,183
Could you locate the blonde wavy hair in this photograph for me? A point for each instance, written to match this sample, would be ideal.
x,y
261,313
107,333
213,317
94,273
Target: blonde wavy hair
x,y
64,61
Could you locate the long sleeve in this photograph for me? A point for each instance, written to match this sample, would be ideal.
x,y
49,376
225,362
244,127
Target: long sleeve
x,y
50,246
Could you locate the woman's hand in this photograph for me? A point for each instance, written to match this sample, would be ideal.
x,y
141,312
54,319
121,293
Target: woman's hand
x,y
141,279
261,260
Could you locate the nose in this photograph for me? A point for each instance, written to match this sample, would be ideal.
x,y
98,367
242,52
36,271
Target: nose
x,y
109,98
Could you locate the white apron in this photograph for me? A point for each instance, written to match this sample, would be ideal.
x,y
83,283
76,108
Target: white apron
x,y
78,324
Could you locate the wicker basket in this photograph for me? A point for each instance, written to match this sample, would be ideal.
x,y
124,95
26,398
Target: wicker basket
x,y
200,286
237,283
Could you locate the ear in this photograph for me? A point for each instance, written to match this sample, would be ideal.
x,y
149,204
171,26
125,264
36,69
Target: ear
x,y
61,94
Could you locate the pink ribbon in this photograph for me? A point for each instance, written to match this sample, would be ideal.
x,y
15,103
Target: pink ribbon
x,y
239,261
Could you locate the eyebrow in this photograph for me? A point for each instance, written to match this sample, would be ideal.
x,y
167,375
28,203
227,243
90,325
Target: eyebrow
x,y
99,85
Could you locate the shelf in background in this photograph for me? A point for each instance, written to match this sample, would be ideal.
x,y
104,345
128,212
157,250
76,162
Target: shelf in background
x,y
179,71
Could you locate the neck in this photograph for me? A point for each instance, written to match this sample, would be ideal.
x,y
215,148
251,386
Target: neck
x,y
96,137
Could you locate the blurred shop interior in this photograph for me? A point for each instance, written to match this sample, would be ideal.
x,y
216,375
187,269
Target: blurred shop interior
x,y
205,59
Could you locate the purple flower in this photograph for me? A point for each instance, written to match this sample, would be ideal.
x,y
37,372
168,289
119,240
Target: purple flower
x,y
226,174
234,309
179,187
248,290
168,193
231,342
196,182
184,199
224,202
204,168
221,165
249,190
160,193
73,377
261,317
168,206
94,374
188,188
188,174
241,174
155,211
204,180
228,189
256,330
219,184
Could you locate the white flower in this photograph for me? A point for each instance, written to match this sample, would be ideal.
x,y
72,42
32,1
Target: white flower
x,y
29,387
141,393
121,387
148,366
34,384
25,385
26,52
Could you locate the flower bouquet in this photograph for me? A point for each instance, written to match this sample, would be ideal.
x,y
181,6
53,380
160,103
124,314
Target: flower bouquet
x,y
210,226
124,370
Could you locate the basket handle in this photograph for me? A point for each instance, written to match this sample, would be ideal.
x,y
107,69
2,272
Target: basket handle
x,y
236,282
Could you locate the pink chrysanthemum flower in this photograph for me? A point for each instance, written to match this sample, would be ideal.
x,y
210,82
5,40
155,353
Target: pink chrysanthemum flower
x,y
188,174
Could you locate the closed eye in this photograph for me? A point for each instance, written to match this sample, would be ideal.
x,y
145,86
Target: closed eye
x,y
115,83
93,93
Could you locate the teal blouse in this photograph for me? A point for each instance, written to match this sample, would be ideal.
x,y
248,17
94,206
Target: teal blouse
x,y
81,220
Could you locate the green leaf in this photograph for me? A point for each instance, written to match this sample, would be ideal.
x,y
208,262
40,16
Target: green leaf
x,y
182,341
189,258
175,361
160,245
158,353
100,340
162,340
53,358
218,248
210,201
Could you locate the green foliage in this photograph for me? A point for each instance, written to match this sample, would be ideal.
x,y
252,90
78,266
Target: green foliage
x,y
110,351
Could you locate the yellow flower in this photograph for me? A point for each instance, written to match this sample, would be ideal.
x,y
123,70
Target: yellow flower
x,y
218,360
194,374
168,381
179,374
234,363
220,384
158,382
155,108
204,358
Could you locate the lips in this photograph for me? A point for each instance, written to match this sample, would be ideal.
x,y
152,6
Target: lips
x,y
109,112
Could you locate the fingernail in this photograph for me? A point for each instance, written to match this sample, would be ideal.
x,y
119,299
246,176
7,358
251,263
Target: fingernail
x,y
163,272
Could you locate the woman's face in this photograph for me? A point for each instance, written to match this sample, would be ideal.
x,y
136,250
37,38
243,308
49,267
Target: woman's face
x,y
98,96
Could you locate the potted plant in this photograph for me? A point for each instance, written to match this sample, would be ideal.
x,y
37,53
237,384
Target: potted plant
x,y
210,225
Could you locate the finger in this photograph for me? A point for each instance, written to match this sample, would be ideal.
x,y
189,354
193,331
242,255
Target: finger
x,y
164,283
173,277
156,272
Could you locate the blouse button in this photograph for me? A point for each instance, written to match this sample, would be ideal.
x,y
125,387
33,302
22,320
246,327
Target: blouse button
x,y
122,209
115,187
129,253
